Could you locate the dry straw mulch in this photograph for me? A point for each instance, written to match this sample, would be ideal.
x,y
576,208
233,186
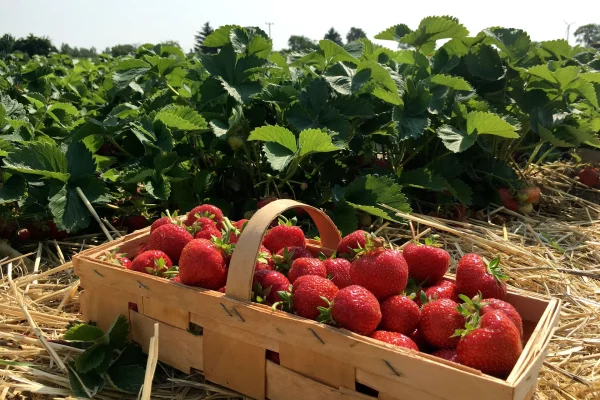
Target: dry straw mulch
x,y
554,251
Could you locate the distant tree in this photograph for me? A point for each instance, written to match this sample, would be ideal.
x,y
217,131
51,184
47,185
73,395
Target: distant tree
x,y
299,43
588,34
78,52
33,45
334,36
7,43
199,40
121,50
171,43
355,34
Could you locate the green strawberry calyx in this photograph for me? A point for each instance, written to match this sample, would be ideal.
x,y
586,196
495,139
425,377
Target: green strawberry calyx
x,y
282,220
372,244
325,316
471,310
160,269
113,256
283,262
494,269
287,301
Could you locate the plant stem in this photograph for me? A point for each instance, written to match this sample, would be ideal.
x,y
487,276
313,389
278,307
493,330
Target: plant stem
x,y
545,155
535,151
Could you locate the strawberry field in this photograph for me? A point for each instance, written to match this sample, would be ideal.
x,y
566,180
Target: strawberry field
x,y
461,153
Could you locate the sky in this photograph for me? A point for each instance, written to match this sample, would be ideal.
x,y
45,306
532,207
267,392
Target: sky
x,y
105,23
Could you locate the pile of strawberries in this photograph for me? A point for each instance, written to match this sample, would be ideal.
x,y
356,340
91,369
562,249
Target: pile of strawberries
x,y
398,297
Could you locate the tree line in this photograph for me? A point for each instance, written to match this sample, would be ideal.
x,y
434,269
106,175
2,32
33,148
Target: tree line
x,y
587,35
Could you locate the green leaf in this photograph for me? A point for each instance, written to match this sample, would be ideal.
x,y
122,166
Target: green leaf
x,y
408,127
558,49
453,82
94,382
514,42
68,210
432,29
275,134
13,189
163,162
454,139
68,108
131,63
483,61
80,161
548,136
127,378
315,141
278,156
158,188
367,192
593,77
460,191
137,175
383,86
92,357
486,123
39,158
423,178
83,333
181,118
542,71
334,52
220,37
117,332
395,32
344,218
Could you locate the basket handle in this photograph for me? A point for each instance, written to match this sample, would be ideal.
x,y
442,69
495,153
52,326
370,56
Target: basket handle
x,y
241,267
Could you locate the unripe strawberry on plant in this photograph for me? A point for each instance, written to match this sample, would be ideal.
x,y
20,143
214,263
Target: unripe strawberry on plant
x,y
353,308
589,176
235,142
529,195
526,208
395,338
426,263
23,234
473,275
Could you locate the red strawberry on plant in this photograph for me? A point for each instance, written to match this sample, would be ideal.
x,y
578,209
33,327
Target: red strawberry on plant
x,y
395,338
135,223
267,285
354,241
507,199
264,260
203,264
381,271
166,218
307,266
474,276
171,239
492,345
287,255
529,194
55,233
590,177
439,321
309,293
205,210
153,262
23,234
446,354
338,270
502,306
353,308
399,314
426,263
284,235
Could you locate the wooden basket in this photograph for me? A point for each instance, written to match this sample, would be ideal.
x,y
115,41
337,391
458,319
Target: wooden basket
x,y
316,361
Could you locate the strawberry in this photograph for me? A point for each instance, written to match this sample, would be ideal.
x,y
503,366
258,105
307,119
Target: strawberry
x,y
526,208
473,276
55,233
307,266
153,262
309,293
442,290
285,257
427,264
383,272
166,218
351,242
176,278
282,236
267,285
273,356
493,346
395,338
446,354
235,142
440,319
170,239
353,308
264,201
239,226
205,210
590,177
506,308
419,339
135,222
23,234
338,270
529,195
399,314
264,260
202,264
205,229
507,199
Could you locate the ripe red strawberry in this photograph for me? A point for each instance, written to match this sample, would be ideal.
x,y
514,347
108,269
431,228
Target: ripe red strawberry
x,y
116,258
338,270
149,262
353,308
282,236
205,210
206,229
383,272
440,319
170,239
268,284
273,356
264,260
474,276
493,347
307,266
506,308
308,294
419,339
202,264
395,338
590,177
55,233
23,234
427,264
399,314
239,226
264,201
351,242
136,222
507,199
443,289
447,354
222,290
176,278
166,218
286,256
529,195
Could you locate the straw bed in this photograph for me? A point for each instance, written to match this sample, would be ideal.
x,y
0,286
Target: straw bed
x,y
554,251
